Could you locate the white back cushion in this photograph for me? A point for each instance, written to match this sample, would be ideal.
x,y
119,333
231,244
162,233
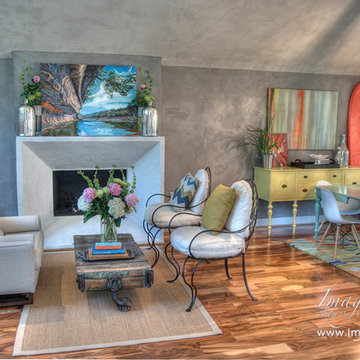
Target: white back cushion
x,y
201,191
241,211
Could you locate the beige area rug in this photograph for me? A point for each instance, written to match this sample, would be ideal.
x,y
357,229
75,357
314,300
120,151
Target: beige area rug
x,y
64,319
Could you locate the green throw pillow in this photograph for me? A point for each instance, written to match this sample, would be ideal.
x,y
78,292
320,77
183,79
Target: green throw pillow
x,y
218,207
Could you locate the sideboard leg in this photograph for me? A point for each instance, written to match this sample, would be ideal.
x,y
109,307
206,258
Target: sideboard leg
x,y
317,213
295,205
270,207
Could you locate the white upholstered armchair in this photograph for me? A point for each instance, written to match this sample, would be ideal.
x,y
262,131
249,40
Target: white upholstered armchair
x,y
198,243
159,215
21,248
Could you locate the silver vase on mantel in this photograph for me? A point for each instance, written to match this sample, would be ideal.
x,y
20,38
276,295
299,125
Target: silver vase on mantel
x,y
150,121
38,120
27,124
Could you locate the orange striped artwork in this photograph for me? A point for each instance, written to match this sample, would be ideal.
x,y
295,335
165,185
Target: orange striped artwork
x,y
308,117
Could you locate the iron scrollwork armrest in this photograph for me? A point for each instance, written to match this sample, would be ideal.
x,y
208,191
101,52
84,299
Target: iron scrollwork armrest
x,y
218,232
157,194
178,214
165,205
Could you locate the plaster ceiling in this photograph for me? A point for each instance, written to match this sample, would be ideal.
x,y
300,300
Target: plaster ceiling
x,y
310,36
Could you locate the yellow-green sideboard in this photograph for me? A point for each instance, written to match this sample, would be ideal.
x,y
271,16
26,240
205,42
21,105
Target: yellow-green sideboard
x,y
294,184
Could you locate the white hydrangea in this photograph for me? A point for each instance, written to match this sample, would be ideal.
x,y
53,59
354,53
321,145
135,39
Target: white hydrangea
x,y
116,208
82,204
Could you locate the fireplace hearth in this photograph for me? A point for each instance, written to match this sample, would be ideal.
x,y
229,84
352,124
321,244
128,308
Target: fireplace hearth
x,y
68,186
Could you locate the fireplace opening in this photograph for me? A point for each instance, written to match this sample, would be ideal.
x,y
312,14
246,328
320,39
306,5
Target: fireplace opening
x,y
69,185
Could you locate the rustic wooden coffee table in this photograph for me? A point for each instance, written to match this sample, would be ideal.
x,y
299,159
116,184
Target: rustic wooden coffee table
x,y
112,275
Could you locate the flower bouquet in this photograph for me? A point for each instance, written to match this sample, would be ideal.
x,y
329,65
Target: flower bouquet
x,y
31,90
112,202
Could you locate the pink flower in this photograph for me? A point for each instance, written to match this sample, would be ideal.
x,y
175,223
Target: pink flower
x,y
143,86
115,189
131,200
89,194
36,79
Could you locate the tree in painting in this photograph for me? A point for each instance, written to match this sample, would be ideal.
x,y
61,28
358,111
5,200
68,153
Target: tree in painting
x,y
88,99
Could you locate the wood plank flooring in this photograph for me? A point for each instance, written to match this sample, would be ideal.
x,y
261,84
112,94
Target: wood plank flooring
x,y
283,324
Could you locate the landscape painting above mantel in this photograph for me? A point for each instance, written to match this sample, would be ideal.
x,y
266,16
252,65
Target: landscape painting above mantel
x,y
88,100
308,117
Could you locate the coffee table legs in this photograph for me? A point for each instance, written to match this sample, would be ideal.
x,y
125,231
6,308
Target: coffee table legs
x,y
114,285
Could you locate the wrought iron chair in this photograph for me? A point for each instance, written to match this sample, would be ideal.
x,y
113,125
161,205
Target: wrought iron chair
x,y
335,217
198,243
159,216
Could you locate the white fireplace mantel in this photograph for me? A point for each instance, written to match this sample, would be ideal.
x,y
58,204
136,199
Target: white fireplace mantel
x,y
38,157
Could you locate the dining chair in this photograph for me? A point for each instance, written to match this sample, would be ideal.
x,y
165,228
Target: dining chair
x,y
350,208
333,215
200,244
159,215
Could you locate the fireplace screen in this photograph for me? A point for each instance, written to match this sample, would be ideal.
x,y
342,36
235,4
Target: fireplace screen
x,y
68,187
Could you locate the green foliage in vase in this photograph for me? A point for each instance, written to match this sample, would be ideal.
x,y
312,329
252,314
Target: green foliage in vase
x,y
143,97
31,90
263,140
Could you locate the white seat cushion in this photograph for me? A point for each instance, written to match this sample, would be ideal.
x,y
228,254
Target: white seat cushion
x,y
163,216
206,245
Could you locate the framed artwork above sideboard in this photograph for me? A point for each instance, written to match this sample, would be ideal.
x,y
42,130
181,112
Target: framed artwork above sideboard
x,y
308,117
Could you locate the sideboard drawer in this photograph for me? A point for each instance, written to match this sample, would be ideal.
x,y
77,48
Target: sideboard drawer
x,y
282,187
305,192
352,177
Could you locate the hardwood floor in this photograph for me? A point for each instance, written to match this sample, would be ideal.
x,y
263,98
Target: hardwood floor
x,y
283,324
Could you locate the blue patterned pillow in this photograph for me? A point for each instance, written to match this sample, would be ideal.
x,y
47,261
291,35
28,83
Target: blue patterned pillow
x,y
184,193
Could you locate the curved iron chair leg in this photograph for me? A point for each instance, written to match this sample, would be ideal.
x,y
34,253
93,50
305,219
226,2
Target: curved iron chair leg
x,y
193,299
227,269
148,233
244,275
173,265
183,276
176,262
151,241
157,252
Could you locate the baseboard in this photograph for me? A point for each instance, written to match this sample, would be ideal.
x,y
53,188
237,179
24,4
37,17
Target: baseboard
x,y
287,220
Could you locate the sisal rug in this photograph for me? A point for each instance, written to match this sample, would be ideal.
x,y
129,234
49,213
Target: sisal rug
x,y
347,259
64,319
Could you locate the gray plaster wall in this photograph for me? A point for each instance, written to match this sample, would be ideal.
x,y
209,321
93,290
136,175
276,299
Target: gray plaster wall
x,y
202,109
8,124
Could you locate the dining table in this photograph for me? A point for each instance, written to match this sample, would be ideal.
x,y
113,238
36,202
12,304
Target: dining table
x,y
342,194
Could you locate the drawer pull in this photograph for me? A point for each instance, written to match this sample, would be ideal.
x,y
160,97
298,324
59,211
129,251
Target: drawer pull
x,y
334,175
354,183
284,186
305,176
305,190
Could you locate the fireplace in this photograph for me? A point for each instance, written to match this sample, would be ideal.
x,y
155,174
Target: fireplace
x,y
39,156
68,186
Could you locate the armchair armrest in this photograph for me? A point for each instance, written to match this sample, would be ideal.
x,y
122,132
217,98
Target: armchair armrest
x,y
151,196
15,224
17,264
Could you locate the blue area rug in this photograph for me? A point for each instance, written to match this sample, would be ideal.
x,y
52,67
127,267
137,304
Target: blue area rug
x,y
347,259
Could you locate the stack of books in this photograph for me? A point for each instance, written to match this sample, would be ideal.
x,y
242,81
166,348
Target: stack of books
x,y
102,251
